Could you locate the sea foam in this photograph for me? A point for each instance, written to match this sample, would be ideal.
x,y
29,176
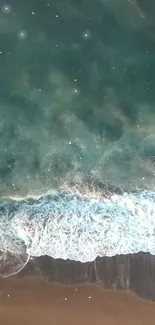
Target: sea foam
x,y
79,227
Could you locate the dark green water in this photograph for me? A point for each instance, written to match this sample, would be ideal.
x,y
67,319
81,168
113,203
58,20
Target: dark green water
x,y
77,94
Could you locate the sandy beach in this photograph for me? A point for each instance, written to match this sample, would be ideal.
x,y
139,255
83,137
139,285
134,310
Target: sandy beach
x,y
34,301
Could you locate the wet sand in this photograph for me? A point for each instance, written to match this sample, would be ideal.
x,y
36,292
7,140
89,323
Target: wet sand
x,y
34,301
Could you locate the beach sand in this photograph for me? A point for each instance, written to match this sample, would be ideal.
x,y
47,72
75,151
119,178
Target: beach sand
x,y
31,300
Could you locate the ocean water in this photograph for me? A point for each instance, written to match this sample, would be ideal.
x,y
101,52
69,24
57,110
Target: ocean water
x,y
77,123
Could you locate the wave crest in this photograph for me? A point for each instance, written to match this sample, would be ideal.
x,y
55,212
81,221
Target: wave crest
x,y
82,227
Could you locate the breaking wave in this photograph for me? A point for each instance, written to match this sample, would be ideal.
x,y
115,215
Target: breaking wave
x,y
75,226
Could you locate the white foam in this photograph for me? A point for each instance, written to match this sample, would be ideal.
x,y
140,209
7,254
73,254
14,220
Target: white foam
x,y
80,228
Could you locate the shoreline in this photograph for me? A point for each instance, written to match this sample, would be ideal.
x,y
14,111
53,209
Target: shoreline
x,y
133,272
33,300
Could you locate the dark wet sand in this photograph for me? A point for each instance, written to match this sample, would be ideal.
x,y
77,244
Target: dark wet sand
x,y
34,301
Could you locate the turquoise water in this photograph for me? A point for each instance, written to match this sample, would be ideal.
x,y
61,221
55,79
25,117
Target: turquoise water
x,y
76,94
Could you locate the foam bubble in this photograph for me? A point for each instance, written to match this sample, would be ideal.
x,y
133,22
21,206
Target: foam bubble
x,y
6,9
